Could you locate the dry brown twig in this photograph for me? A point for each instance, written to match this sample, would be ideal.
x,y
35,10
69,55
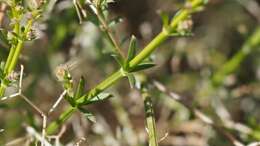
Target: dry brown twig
x,y
199,114
20,94
42,114
57,102
58,136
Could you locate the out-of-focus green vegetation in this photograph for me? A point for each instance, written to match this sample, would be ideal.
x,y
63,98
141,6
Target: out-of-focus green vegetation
x,y
204,88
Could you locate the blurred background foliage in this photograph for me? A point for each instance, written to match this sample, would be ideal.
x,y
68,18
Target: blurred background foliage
x,y
185,65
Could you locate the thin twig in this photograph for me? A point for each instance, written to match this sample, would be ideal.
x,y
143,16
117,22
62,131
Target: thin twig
x,y
32,105
38,136
110,35
106,28
44,124
19,86
19,93
11,96
164,137
58,136
199,114
80,11
57,102
92,6
44,117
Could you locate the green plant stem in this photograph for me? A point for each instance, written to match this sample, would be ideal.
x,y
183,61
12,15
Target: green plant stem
x,y
149,49
9,58
159,39
101,87
150,120
13,48
109,34
233,64
15,57
63,117
9,68
2,89
14,53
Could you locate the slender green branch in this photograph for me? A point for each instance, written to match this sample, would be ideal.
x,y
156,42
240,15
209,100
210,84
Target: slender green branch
x,y
150,119
11,54
149,49
233,64
63,117
2,89
109,34
15,57
11,66
14,53
16,30
102,86
182,15
158,40
9,58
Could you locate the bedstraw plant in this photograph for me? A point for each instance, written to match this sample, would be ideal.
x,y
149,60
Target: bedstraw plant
x,y
22,17
132,64
24,13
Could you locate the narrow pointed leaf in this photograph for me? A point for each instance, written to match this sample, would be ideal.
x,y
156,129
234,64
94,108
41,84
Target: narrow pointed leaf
x,y
142,66
118,59
131,79
165,19
131,49
98,98
80,88
70,100
88,115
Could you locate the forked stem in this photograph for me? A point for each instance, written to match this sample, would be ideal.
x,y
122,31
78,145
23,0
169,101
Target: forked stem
x,y
154,44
